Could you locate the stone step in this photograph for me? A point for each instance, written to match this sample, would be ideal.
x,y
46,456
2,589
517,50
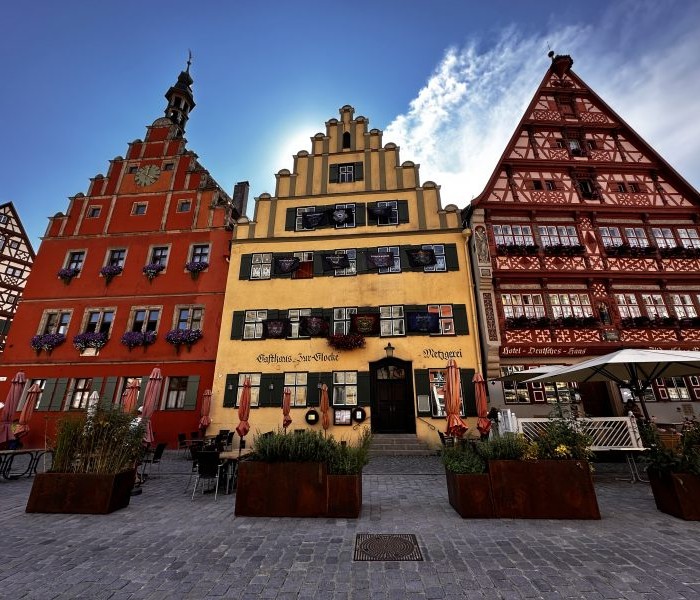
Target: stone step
x,y
398,444
394,452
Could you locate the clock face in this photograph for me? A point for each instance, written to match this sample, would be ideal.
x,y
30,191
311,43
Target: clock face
x,y
147,175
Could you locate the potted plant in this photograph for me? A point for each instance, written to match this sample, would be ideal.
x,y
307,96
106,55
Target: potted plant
x,y
305,474
109,272
47,342
89,339
66,274
132,339
674,472
346,341
178,337
195,267
468,485
93,469
151,270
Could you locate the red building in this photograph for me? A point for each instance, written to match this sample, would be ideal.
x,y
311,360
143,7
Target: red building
x,y
142,254
585,241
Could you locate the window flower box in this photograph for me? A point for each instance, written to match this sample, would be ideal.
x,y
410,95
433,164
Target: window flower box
x,y
577,322
528,323
109,272
180,337
517,249
89,339
47,341
132,339
565,250
67,274
151,270
196,267
349,341
690,322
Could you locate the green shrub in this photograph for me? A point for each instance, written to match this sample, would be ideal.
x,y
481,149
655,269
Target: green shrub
x,y
347,459
107,442
509,446
684,459
563,439
463,459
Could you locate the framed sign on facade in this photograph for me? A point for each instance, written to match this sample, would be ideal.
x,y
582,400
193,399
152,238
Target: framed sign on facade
x,y
342,416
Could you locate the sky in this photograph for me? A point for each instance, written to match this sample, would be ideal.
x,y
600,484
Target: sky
x,y
446,80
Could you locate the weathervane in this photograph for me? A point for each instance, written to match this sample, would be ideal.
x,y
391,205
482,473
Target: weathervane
x,y
189,59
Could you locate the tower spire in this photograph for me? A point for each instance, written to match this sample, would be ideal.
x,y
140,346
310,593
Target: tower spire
x,y
180,98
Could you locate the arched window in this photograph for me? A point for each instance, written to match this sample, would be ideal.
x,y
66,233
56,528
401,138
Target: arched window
x,y
346,140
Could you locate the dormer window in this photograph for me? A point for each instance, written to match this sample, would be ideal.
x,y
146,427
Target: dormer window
x,y
587,189
345,172
346,140
574,147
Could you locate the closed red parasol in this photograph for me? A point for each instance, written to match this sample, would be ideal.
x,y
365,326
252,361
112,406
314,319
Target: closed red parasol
x,y
286,408
243,427
325,408
130,396
26,415
150,403
483,423
11,402
453,401
205,419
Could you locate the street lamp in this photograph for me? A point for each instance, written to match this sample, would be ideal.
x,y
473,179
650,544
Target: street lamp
x,y
270,388
389,349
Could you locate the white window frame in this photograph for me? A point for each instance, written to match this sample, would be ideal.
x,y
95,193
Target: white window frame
x,y
297,382
446,318
194,318
570,305
254,388
655,306
530,305
62,322
196,254
396,251
252,324
513,235
610,236
392,321
683,306
441,262
294,315
636,237
663,236
342,318
261,265
175,398
393,217
350,222
344,388
146,324
688,237
350,270
558,235
627,305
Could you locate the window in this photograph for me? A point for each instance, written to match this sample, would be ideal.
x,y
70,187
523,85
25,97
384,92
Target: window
x,y
56,321
550,185
254,388
620,186
262,266
116,257
392,217
664,237
352,259
133,169
689,238
41,383
536,184
93,212
99,321
627,306
591,145
440,264
683,306
159,255
341,320
14,272
80,393
514,392
295,315
444,312
633,187
346,140
557,392
184,206
610,236
344,388
299,222
139,208
391,321
168,166
396,267
252,326
519,235
570,305
4,219
522,305
296,382
587,189
636,237
14,244
564,235
306,266
350,212
200,253
189,317
176,392
574,147
655,307
145,319
346,173
76,260
676,389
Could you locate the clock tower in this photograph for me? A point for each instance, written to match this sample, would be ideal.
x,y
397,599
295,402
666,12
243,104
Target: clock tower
x,y
180,99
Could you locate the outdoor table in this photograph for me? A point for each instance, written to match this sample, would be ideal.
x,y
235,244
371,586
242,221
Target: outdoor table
x,y
7,458
230,469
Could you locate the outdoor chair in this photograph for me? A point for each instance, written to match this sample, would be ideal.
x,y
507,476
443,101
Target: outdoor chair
x,y
208,469
152,458
182,443
229,439
224,432
194,448
194,435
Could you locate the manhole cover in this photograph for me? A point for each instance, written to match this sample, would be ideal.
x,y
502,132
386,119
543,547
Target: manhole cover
x,y
386,546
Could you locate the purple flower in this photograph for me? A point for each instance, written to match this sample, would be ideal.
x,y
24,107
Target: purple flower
x,y
89,339
111,271
177,337
196,266
131,339
67,274
152,269
47,341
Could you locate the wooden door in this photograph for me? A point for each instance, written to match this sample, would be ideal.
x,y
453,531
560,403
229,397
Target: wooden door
x,y
392,397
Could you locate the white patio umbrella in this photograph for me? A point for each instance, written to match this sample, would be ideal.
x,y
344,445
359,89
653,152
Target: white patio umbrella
x,y
631,368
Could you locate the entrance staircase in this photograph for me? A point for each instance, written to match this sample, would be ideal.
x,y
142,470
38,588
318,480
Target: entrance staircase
x,y
398,444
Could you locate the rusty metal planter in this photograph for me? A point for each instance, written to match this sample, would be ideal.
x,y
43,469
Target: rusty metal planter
x,y
80,493
676,494
284,489
344,496
470,495
543,489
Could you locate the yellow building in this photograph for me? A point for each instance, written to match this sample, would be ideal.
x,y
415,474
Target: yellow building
x,y
352,246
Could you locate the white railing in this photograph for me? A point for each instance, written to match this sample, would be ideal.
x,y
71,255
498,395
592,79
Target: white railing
x,y
608,433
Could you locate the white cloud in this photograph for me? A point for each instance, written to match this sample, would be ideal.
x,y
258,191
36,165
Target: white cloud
x,y
461,120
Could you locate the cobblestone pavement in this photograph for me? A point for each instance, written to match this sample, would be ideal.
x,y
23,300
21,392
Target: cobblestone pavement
x,y
165,546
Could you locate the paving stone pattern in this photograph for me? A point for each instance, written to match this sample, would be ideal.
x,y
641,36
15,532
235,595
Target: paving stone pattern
x,y
163,546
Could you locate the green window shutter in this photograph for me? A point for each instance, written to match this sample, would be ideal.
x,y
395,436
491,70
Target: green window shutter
x,y
422,388
191,392
360,214
333,174
459,313
451,259
363,390
107,397
142,390
362,259
237,325
318,264
312,393
403,258
46,394
59,393
96,385
290,222
370,217
359,171
468,392
266,398
231,390
402,206
246,265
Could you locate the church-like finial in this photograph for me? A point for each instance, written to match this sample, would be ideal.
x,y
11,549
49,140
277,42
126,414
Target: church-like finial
x,y
189,60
